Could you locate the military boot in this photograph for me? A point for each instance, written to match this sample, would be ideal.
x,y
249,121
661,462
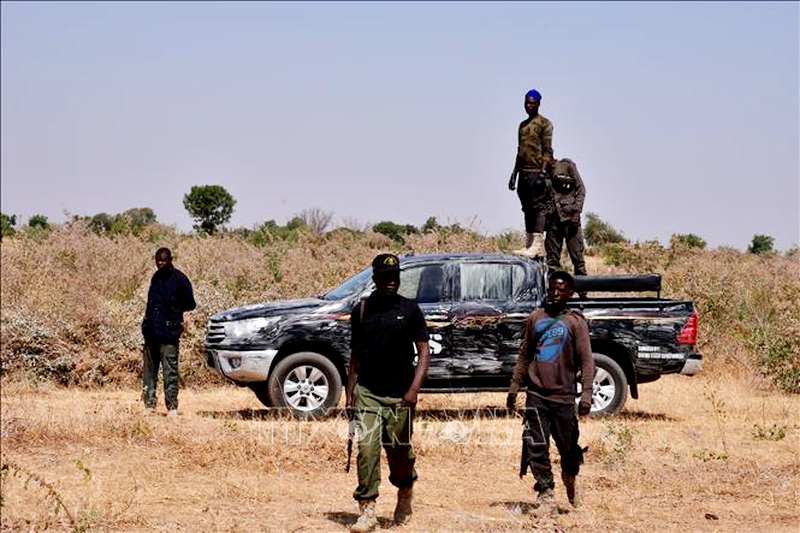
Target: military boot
x,y
570,484
546,503
402,511
536,249
528,242
367,521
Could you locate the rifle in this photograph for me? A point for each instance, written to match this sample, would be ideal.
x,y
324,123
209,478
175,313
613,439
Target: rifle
x,y
351,435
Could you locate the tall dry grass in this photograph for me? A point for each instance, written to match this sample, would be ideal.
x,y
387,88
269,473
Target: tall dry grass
x,y
71,301
749,305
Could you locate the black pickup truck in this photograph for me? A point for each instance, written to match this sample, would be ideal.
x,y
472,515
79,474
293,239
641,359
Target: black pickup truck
x,y
294,353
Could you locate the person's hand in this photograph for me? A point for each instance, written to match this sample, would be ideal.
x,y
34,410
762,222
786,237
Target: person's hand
x,y
409,398
512,182
348,401
584,408
511,401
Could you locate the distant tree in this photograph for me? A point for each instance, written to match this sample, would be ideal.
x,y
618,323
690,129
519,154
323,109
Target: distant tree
x,y
689,240
210,206
430,225
761,244
396,232
598,232
7,224
137,218
296,223
39,221
101,223
316,220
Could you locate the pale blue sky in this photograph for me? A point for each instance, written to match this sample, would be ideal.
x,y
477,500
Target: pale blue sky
x,y
682,117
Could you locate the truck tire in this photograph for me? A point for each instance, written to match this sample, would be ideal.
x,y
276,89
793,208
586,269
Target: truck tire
x,y
305,383
261,390
610,388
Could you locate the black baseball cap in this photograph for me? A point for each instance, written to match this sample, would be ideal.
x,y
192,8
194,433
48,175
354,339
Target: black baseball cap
x,y
385,264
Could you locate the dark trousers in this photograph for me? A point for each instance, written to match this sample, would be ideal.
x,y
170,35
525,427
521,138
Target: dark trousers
x,y
382,421
542,419
165,355
557,233
534,195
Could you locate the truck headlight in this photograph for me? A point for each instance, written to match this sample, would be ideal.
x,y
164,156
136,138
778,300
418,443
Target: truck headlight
x,y
245,328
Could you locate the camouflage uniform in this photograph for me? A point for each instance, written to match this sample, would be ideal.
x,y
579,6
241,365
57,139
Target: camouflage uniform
x,y
564,221
535,140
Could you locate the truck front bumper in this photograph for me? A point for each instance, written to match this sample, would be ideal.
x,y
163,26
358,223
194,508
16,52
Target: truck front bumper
x,y
693,365
241,366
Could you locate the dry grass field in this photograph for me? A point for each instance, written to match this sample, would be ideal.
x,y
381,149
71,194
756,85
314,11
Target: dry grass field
x,y
692,454
717,452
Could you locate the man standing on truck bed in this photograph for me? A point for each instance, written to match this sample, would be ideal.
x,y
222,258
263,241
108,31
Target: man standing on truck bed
x,y
564,223
169,296
555,346
382,388
534,158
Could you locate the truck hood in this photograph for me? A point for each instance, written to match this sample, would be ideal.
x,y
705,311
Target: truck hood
x,y
280,307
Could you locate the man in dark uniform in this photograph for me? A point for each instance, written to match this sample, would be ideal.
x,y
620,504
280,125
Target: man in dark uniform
x,y
565,220
169,296
555,346
382,386
534,158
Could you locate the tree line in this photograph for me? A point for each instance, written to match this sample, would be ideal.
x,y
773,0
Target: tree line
x,y
211,207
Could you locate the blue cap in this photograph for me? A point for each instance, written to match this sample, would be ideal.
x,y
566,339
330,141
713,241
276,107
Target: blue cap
x,y
533,94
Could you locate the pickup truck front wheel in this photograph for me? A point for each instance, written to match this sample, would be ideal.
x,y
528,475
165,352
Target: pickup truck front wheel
x,y
609,387
306,383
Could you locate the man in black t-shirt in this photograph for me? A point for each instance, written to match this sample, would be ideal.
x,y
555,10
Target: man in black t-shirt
x,y
388,363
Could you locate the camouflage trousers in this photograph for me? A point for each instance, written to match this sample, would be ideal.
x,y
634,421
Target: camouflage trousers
x,y
536,199
542,419
557,233
383,421
166,356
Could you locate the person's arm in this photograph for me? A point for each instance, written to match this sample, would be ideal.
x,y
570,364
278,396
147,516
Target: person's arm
x,y
424,358
351,381
355,323
584,347
512,181
187,295
547,147
580,190
521,368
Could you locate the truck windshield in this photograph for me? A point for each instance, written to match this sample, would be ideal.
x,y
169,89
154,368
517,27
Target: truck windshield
x,y
351,286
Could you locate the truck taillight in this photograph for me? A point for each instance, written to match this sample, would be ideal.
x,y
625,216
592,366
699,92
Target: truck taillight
x,y
688,334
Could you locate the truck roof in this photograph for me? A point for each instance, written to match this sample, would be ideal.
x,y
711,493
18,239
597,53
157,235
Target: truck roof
x,y
410,259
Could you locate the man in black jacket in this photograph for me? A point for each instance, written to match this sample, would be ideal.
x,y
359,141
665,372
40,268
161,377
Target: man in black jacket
x,y
170,295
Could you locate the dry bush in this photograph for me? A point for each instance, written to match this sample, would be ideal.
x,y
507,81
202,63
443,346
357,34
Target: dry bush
x,y
72,301
748,306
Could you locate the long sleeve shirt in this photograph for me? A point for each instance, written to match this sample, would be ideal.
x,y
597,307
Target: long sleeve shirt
x,y
552,351
535,139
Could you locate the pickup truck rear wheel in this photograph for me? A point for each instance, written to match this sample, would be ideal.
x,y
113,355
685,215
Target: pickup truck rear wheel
x,y
306,383
609,387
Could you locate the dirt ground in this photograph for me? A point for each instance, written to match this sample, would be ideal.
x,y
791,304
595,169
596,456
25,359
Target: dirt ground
x,y
692,454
